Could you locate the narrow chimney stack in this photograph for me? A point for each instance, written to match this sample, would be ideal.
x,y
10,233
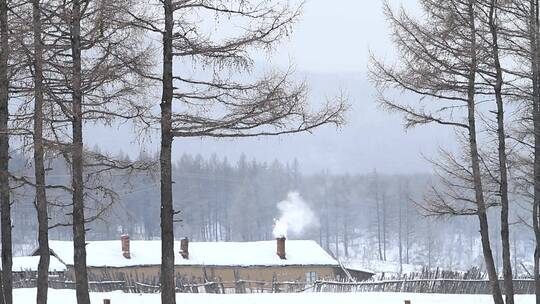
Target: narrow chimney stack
x,y
125,246
184,248
281,247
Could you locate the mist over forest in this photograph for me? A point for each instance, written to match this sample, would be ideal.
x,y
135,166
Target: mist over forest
x,y
365,218
367,141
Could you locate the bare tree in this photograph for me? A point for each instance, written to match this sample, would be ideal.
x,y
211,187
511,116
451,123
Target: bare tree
x,y
91,53
440,58
533,27
403,199
79,240
376,192
5,204
39,166
517,26
494,29
222,105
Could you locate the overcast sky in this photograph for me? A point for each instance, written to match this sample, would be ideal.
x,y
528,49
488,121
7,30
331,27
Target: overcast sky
x,y
330,48
335,36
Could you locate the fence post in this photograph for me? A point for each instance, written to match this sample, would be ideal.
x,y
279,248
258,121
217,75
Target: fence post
x,y
106,301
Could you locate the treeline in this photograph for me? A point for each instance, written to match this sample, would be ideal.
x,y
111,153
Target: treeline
x,y
363,218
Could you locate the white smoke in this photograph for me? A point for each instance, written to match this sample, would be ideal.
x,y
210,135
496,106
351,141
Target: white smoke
x,y
295,216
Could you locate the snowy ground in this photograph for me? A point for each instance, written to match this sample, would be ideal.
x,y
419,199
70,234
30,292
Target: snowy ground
x,y
27,296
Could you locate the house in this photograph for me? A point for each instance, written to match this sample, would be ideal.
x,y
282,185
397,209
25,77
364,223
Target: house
x,y
199,262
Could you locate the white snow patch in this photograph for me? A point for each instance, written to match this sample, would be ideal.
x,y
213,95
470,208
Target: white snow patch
x,y
30,263
68,297
109,253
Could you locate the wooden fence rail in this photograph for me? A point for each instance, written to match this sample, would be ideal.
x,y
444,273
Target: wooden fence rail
x,y
240,286
443,286
427,281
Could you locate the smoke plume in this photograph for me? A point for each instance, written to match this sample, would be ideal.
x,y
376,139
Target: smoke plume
x,y
295,216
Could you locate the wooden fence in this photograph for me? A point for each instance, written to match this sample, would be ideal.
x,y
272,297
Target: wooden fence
x,y
105,286
427,281
444,282
238,287
442,286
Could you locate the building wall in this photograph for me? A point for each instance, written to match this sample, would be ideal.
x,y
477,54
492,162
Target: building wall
x,y
193,274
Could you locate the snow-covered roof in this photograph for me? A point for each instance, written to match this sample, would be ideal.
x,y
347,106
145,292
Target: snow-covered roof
x,y
356,267
109,253
30,263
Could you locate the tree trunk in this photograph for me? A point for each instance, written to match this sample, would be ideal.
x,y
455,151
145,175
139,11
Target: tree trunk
x,y
400,231
5,207
475,163
79,238
378,205
39,168
505,234
407,233
533,32
168,286
429,245
345,235
336,245
384,220
326,214
515,255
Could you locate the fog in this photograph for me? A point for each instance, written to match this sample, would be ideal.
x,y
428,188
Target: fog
x,y
331,60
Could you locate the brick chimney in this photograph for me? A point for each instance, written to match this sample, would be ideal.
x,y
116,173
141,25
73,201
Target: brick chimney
x,y
125,246
281,247
184,248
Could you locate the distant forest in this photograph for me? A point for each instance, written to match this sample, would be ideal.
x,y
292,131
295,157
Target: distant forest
x,y
364,217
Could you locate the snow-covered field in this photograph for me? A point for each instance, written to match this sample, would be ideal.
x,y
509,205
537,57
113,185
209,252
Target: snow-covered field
x,y
27,296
